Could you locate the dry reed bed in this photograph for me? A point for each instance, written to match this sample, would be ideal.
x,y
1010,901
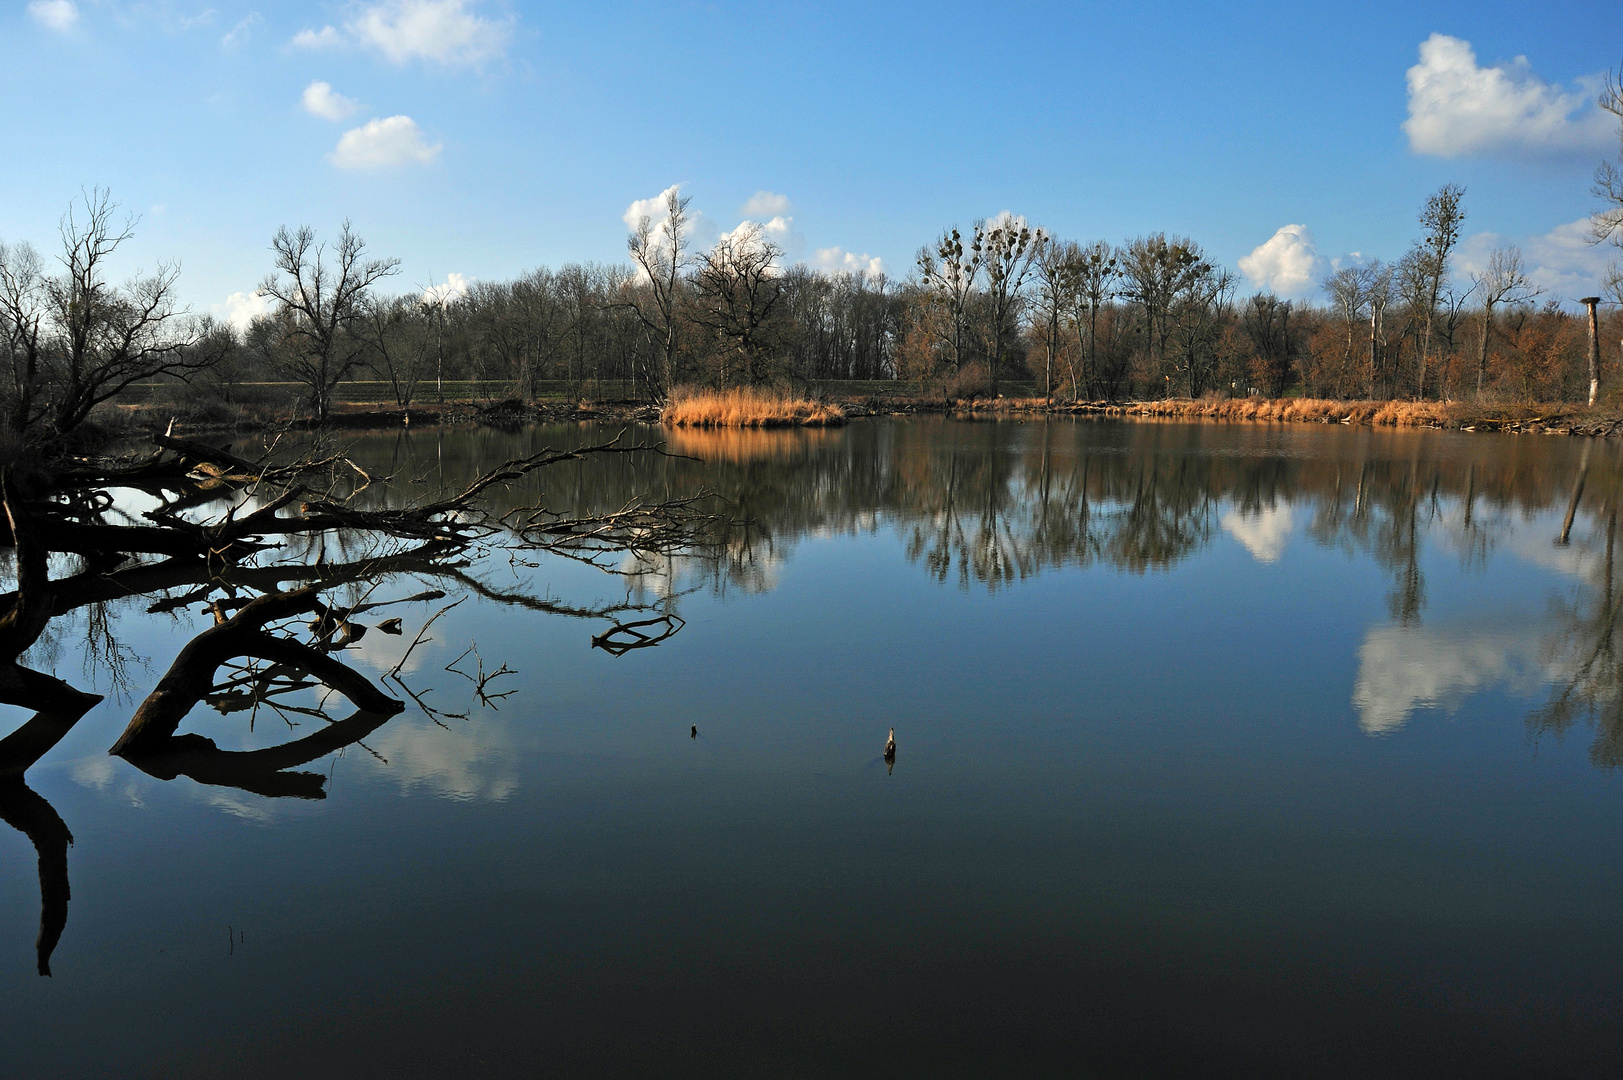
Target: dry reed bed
x,y
1370,413
747,408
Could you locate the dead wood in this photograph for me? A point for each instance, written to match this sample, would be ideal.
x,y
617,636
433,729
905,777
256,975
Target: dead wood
x,y
191,677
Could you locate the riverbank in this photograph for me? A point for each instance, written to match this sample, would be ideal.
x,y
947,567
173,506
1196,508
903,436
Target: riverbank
x,y
1555,418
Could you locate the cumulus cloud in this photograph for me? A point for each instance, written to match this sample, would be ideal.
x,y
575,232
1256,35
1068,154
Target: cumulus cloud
x,y
702,232
1458,108
321,100
1287,264
445,31
325,38
652,208
1562,262
396,140
240,309
454,287
1263,532
837,260
54,14
765,204
780,230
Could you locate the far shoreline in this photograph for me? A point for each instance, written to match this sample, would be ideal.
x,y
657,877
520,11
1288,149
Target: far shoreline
x,y
1548,419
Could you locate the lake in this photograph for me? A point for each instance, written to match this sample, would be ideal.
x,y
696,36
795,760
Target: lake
x,y
1221,750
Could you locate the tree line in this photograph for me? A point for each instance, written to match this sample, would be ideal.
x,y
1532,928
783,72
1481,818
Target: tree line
x,y
1005,303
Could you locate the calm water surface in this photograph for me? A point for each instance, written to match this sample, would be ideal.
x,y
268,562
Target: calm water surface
x,y
1223,750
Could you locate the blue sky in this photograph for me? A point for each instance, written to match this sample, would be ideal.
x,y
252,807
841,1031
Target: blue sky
x,y
482,138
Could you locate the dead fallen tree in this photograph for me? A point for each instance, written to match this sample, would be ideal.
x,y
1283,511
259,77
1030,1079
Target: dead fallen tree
x,y
236,563
191,677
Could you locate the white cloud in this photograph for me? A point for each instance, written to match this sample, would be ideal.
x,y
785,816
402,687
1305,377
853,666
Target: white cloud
x,y
454,287
1263,532
1563,262
325,38
240,32
240,309
652,208
702,232
321,100
837,260
396,140
780,230
54,14
445,31
1458,108
765,204
1287,264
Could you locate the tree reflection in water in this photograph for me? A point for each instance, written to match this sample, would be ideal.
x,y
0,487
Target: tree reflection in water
x,y
1584,648
983,505
286,557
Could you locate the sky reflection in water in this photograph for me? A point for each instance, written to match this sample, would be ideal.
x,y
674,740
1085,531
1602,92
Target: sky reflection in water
x,y
1239,749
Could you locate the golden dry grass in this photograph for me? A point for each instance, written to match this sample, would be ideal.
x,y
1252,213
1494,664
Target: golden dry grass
x,y
1317,410
746,408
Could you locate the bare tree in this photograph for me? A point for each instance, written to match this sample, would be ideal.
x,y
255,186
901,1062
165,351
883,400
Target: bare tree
x,y
104,337
1059,266
1098,272
1347,289
401,337
1158,270
1380,289
739,285
1267,322
1503,282
949,274
1007,248
1607,222
1440,221
318,305
660,253
23,311
1199,310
